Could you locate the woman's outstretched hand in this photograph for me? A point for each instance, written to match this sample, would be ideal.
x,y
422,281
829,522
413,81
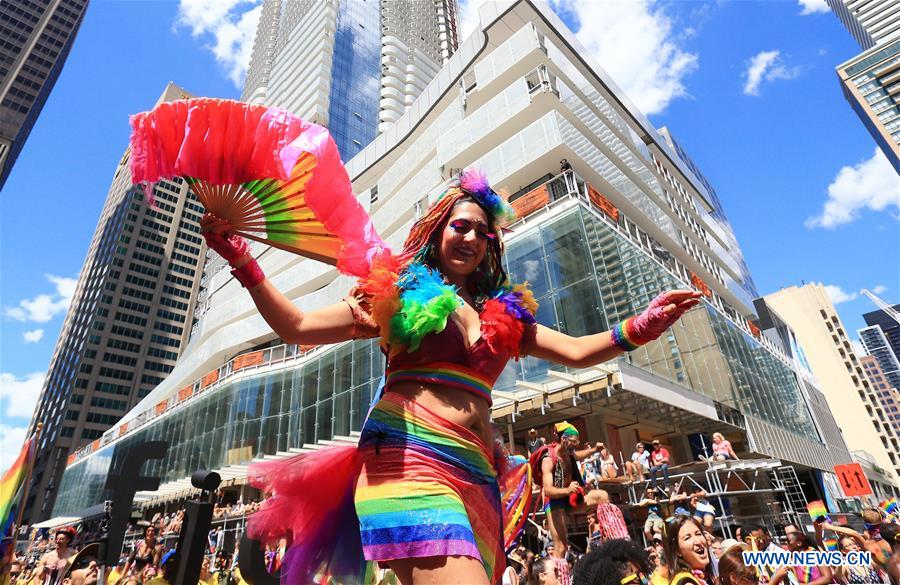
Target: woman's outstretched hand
x,y
662,313
217,233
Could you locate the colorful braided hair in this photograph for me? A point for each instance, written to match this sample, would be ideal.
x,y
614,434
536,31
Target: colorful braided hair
x,y
409,296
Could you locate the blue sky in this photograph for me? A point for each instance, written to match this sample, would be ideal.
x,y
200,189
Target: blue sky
x,y
747,87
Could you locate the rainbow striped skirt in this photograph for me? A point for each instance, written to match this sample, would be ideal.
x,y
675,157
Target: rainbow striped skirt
x,y
429,487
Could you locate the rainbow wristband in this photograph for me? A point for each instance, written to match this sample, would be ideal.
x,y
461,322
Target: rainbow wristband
x,y
623,336
249,275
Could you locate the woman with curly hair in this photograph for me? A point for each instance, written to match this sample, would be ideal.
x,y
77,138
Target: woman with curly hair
x,y
433,494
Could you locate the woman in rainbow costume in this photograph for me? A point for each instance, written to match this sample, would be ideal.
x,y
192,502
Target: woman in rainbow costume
x,y
428,491
435,496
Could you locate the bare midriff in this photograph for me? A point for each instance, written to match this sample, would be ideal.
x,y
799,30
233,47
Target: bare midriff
x,y
459,407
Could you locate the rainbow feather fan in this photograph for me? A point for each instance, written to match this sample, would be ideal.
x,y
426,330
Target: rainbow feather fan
x,y
276,178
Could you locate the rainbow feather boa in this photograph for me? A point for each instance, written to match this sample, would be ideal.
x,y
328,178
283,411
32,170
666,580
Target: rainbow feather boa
x,y
409,303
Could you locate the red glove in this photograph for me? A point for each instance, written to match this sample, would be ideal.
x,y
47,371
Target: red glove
x,y
232,248
229,246
656,318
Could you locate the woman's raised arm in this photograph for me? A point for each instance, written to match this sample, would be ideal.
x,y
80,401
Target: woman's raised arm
x,y
331,324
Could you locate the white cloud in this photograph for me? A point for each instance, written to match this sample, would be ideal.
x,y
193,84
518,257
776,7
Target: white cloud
x,y
639,47
44,307
879,289
813,7
19,395
11,441
228,27
872,184
766,66
33,336
838,295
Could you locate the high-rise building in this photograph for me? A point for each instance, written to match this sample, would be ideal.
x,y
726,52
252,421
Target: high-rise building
x,y
596,243
871,80
888,325
871,22
129,319
876,345
886,391
37,38
852,399
351,66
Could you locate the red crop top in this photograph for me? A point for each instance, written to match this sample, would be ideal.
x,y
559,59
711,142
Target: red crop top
x,y
443,358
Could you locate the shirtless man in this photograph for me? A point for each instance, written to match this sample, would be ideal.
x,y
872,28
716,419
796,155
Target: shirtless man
x,y
560,481
53,565
872,540
891,535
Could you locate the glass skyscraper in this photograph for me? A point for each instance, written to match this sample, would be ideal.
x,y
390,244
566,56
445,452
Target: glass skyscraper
x,y
37,38
325,60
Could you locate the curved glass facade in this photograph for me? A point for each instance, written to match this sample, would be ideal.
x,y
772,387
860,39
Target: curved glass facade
x,y
586,275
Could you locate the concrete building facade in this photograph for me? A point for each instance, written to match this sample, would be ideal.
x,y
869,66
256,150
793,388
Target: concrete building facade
x,y
871,84
870,22
886,391
596,243
37,38
129,318
855,404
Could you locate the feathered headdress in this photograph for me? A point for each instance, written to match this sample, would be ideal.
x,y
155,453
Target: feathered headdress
x,y
475,183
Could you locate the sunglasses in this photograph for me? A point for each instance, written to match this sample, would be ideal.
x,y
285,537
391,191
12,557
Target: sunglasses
x,y
464,226
635,579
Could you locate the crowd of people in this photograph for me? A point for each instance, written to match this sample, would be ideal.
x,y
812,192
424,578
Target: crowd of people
x,y
687,553
66,557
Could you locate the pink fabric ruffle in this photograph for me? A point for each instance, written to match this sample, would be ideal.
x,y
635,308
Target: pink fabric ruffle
x,y
227,142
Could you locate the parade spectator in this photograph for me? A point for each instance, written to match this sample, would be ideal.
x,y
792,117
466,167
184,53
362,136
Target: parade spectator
x,y
722,450
52,566
610,521
639,464
733,571
687,553
853,573
608,467
716,547
615,562
117,572
872,540
821,575
660,461
704,511
760,535
891,535
146,552
544,571
653,525
534,442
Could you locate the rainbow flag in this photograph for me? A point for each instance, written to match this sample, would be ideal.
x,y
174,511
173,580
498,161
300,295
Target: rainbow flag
x,y
13,480
817,510
890,507
830,543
